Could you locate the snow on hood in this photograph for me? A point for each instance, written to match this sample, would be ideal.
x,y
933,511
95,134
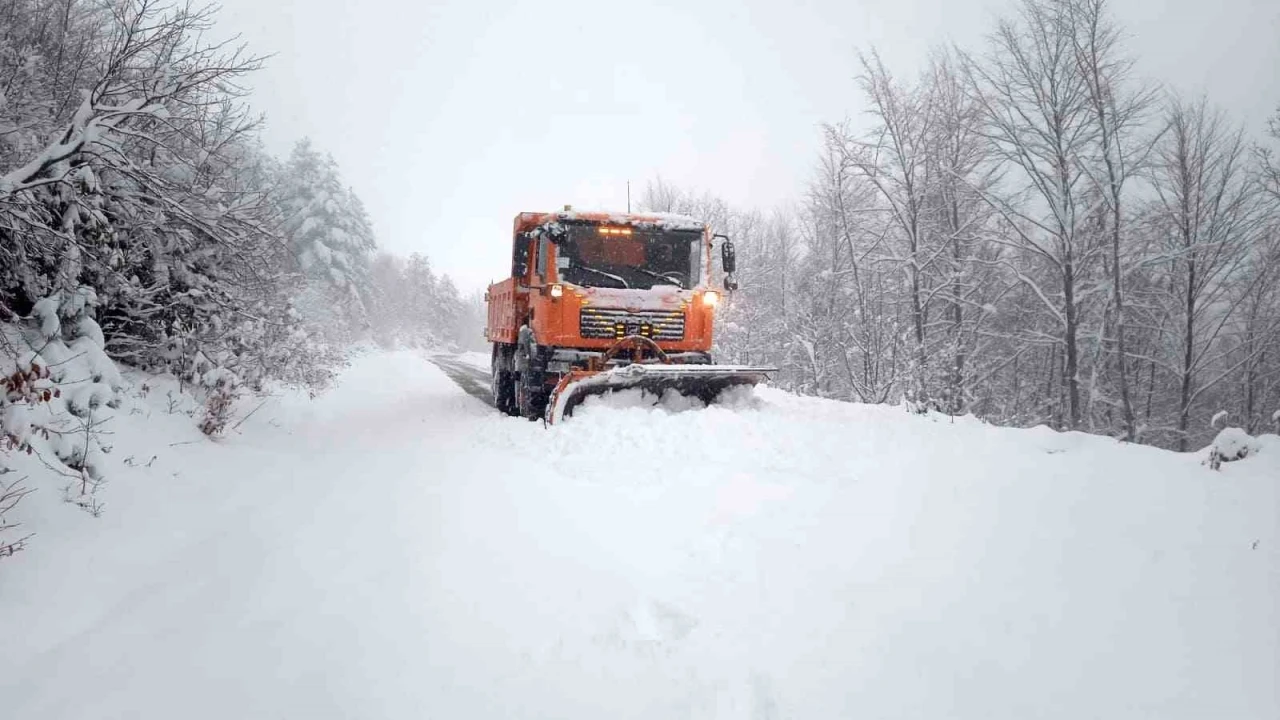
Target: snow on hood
x,y
661,297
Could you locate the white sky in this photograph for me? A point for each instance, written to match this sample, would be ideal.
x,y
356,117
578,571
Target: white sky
x,y
448,118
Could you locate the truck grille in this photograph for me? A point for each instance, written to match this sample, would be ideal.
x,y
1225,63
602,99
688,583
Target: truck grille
x,y
609,323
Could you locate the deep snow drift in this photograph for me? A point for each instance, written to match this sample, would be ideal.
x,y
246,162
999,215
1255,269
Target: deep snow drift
x,y
395,549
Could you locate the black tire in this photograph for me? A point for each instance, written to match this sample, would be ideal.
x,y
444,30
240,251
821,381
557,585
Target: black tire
x,y
530,390
502,382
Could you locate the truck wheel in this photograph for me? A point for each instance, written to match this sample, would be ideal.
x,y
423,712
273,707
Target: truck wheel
x,y
502,382
531,393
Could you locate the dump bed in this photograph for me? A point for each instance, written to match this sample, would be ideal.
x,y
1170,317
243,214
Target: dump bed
x,y
507,306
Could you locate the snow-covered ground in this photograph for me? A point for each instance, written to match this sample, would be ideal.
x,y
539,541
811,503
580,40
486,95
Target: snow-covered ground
x,y
395,549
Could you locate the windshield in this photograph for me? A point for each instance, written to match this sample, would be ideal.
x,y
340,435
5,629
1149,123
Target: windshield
x,y
613,257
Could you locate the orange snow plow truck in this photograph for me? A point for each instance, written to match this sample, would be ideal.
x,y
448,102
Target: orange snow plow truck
x,y
600,302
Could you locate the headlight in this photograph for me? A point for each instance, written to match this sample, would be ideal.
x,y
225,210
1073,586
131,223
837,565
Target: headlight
x,y
710,298
557,290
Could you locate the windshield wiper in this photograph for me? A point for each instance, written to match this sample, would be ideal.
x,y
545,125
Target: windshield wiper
x,y
664,278
608,275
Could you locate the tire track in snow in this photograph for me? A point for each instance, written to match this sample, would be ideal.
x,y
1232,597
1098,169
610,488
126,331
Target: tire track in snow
x,y
472,380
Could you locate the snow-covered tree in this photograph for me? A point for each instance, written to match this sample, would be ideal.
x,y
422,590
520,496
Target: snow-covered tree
x,y
1208,216
1034,99
1015,233
142,223
414,306
330,235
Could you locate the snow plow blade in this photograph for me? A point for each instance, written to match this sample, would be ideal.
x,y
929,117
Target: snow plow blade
x,y
702,381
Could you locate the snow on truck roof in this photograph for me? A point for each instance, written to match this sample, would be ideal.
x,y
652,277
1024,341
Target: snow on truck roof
x,y
668,221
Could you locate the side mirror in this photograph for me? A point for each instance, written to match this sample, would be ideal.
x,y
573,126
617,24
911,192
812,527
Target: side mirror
x,y
728,256
728,261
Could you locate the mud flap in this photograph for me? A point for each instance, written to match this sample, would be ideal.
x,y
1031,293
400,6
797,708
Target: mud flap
x,y
702,381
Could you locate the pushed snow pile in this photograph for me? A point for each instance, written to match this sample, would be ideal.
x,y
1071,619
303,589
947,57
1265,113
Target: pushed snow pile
x,y
400,550
670,401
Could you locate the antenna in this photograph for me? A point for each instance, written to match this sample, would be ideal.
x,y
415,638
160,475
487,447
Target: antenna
x,y
628,196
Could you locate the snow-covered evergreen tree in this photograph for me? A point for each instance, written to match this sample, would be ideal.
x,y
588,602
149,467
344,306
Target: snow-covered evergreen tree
x,y
332,239
414,306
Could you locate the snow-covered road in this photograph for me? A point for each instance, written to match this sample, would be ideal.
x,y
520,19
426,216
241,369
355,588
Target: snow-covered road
x,y
467,374
395,549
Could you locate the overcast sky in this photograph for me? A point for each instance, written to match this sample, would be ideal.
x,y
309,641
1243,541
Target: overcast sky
x,y
448,118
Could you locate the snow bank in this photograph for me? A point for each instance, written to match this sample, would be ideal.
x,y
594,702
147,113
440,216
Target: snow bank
x,y
398,550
